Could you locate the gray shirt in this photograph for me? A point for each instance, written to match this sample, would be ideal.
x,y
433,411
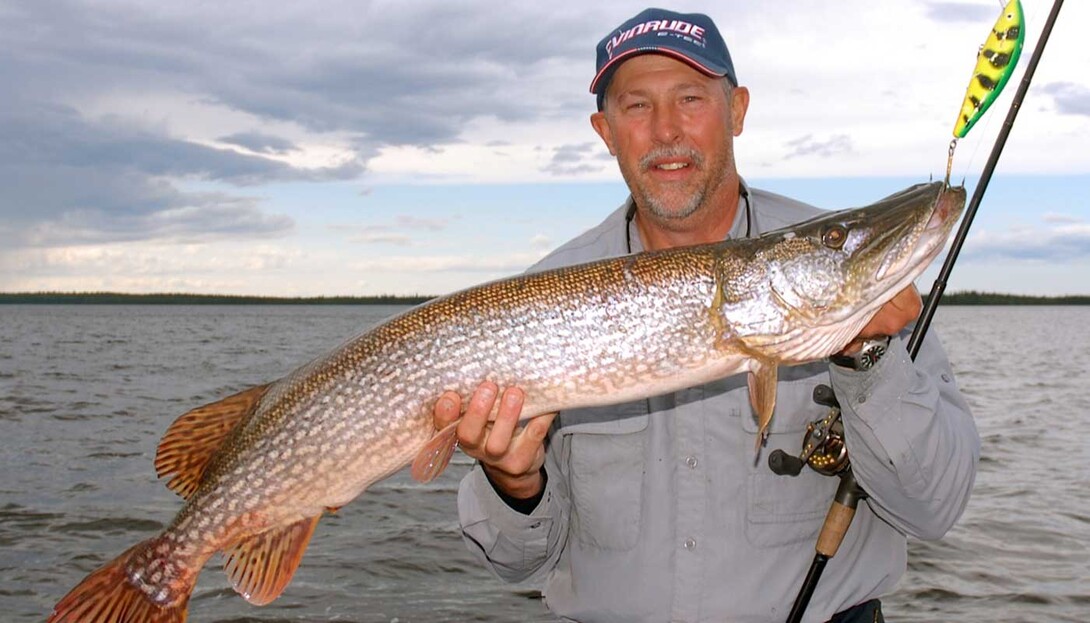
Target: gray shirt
x,y
658,510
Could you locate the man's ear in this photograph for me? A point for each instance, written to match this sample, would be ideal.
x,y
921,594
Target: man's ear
x,y
601,126
739,104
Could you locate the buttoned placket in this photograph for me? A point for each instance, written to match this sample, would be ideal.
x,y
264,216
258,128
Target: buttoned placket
x,y
691,498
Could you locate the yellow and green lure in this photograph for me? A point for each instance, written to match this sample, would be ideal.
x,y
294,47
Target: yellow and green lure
x,y
994,64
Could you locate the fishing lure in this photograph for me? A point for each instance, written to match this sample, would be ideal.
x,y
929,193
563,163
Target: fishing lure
x,y
994,64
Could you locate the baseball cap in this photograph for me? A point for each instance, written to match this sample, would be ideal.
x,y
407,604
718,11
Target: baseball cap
x,y
689,37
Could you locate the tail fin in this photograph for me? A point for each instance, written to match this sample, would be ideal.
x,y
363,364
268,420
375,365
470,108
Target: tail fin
x,y
109,595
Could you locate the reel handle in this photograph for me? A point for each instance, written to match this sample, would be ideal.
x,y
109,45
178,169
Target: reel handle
x,y
784,464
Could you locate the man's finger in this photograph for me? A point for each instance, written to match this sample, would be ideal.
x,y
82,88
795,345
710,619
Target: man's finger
x,y
499,438
447,409
908,300
527,450
538,427
473,428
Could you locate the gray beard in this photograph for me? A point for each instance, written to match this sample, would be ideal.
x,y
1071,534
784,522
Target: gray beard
x,y
658,206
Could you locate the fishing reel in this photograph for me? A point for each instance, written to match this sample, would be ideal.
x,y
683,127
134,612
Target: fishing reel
x,y
823,446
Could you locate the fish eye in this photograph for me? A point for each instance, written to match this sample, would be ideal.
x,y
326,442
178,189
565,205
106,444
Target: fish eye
x,y
834,236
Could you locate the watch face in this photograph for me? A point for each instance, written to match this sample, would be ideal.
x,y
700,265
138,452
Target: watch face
x,y
870,356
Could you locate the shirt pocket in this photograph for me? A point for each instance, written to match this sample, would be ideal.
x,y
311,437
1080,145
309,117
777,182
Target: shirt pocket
x,y
783,510
606,473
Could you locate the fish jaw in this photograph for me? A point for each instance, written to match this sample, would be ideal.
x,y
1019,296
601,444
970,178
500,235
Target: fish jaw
x,y
816,285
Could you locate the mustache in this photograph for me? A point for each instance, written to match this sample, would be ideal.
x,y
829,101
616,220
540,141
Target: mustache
x,y
662,153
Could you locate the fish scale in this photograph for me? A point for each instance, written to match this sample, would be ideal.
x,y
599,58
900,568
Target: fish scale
x,y
258,469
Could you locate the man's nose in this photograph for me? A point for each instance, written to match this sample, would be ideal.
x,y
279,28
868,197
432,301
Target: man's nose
x,y
665,124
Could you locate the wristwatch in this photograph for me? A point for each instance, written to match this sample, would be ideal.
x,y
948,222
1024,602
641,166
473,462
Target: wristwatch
x,y
863,359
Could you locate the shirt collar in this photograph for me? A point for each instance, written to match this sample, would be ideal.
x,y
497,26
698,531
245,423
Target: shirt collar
x,y
737,229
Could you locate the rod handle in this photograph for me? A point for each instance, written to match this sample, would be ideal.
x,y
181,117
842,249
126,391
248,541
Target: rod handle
x,y
835,527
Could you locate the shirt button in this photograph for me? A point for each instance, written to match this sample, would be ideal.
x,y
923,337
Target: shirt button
x,y
689,544
692,462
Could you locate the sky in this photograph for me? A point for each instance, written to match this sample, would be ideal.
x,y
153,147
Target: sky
x,y
362,148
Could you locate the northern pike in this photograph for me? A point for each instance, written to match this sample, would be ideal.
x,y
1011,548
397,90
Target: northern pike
x,y
259,468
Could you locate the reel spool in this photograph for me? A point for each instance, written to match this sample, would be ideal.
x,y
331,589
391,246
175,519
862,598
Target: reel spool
x,y
823,446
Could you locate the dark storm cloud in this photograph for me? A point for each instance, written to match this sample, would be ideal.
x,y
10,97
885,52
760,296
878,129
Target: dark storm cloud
x,y
409,74
55,135
106,181
378,74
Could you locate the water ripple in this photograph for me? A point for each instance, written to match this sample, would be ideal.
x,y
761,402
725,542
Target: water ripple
x,y
88,390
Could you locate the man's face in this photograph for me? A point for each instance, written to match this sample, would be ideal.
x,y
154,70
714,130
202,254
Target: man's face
x,y
672,130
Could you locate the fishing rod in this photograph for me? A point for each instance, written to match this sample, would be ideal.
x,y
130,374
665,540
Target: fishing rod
x,y
823,444
939,287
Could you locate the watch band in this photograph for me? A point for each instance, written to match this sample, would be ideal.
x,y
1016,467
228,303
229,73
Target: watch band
x,y
864,359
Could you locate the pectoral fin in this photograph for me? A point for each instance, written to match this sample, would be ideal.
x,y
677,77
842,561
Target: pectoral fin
x,y
762,395
435,456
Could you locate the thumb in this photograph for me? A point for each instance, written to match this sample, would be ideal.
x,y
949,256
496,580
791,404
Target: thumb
x,y
538,427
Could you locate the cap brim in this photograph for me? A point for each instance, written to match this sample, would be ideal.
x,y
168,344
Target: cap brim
x,y
703,66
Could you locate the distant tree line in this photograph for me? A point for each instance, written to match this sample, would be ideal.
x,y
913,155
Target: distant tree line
x,y
113,298
973,297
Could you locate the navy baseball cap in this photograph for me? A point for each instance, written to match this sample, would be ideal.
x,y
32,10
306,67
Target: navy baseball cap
x,y
689,37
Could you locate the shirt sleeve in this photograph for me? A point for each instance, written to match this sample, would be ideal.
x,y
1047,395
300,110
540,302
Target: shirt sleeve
x,y
911,438
514,546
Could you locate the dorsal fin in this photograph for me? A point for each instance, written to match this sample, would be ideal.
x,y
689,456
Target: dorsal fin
x,y
261,566
193,439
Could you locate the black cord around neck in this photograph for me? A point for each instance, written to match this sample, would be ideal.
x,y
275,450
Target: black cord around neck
x,y
631,215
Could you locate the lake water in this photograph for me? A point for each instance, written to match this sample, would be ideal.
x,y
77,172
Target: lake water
x,y
86,392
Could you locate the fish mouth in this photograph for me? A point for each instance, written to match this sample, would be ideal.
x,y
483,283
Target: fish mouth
x,y
921,241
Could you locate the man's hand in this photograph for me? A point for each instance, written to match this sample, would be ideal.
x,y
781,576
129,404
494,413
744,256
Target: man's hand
x,y
890,319
511,456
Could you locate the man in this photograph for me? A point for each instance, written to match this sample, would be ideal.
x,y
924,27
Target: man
x,y
657,510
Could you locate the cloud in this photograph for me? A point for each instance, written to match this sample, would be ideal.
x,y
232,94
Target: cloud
x,y
1070,98
574,159
960,12
449,263
281,65
260,143
390,233
427,224
101,181
364,76
1056,244
1052,217
541,242
808,146
146,261
378,237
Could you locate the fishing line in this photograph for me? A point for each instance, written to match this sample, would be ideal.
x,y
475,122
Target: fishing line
x,y
995,62
849,493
